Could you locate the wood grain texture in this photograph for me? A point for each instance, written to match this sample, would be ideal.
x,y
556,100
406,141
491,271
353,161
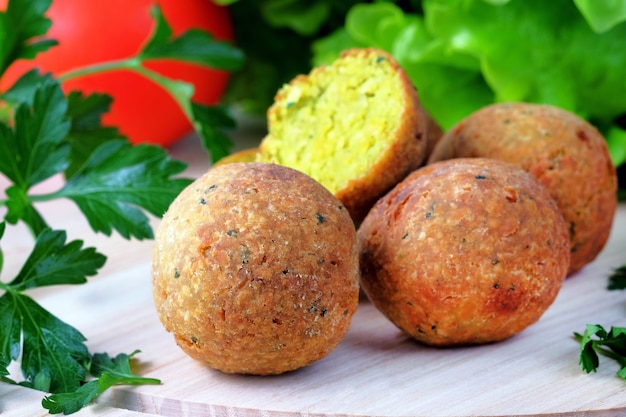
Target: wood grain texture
x,y
375,371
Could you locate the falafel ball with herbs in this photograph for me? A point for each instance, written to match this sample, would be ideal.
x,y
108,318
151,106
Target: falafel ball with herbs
x,y
566,154
464,251
255,269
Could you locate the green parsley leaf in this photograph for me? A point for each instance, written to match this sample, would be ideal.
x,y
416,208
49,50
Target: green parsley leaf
x,y
24,89
93,142
214,140
210,123
53,352
37,140
109,371
617,281
109,179
597,341
20,208
87,132
200,48
118,368
4,364
34,146
117,180
43,134
53,262
4,370
193,46
22,21
71,402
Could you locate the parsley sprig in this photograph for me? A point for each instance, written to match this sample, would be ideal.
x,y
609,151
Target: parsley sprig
x,y
193,46
617,280
115,185
53,352
110,371
596,341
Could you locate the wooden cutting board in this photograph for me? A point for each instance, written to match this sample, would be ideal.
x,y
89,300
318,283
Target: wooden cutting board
x,y
375,371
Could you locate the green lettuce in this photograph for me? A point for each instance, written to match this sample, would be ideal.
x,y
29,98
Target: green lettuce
x,y
602,15
464,54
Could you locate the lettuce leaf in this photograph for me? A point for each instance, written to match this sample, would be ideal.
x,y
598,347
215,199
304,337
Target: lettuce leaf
x,y
602,15
465,54
450,86
538,51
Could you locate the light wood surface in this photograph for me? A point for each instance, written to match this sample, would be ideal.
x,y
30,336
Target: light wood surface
x,y
375,371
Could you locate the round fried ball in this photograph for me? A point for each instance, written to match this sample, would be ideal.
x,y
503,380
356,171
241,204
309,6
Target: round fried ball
x,y
465,251
563,151
356,125
255,269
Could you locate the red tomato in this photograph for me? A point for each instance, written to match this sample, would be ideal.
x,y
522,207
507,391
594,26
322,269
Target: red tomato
x,y
96,31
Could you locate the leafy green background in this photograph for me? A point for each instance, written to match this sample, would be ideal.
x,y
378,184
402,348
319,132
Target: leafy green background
x,y
460,54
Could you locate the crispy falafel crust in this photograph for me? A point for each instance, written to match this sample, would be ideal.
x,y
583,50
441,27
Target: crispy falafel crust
x,y
563,151
255,269
465,251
